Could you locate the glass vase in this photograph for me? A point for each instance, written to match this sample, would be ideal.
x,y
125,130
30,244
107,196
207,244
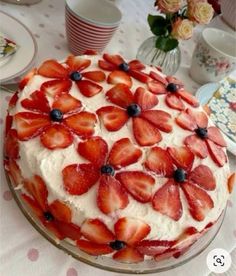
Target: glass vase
x,y
150,55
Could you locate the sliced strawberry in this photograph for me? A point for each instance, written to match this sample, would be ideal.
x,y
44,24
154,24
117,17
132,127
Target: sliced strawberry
x,y
196,145
174,102
90,52
106,65
136,65
96,231
27,78
66,103
159,118
117,77
203,176
37,188
78,179
172,79
52,69
54,88
187,97
138,184
77,63
186,121
112,117
167,254
56,136
29,125
94,150
214,134
231,182
123,153
200,203
52,227
15,172
82,124
145,133
97,76
158,77
88,88
182,157
13,100
159,161
94,249
131,230
33,205
154,247
156,87
120,95
186,239
111,195
114,59
8,123
138,75
217,153
167,201
128,255
37,102
12,144
68,230
199,117
145,99
60,211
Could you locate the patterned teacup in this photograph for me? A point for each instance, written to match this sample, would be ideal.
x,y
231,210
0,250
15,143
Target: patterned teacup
x,y
214,56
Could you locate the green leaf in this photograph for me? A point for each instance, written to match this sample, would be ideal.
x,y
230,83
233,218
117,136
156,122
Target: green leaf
x,y
166,44
158,24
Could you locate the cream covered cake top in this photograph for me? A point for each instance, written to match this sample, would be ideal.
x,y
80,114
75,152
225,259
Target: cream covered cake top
x,y
115,155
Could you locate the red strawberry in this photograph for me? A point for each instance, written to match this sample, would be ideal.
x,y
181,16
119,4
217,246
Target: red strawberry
x,y
111,195
15,172
159,161
112,117
56,136
68,230
77,63
217,153
158,77
30,125
200,203
214,134
8,123
117,77
128,255
66,103
96,231
174,102
186,239
78,179
182,157
33,205
60,211
167,200
204,177
121,95
13,100
12,144
138,184
156,87
146,134
54,88
190,99
186,121
139,75
27,78
172,79
159,118
136,65
124,153
131,230
145,99
114,59
37,102
52,69
82,123
90,52
199,117
94,150
97,76
231,182
196,145
94,249
88,88
106,65
154,247
166,254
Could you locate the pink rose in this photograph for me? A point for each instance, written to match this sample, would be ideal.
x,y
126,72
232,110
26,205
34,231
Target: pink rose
x,y
168,6
200,11
182,29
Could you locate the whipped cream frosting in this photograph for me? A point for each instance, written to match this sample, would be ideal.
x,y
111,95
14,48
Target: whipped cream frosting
x,y
36,159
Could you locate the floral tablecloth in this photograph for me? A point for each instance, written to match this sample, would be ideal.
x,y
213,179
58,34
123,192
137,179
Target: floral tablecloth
x,y
23,251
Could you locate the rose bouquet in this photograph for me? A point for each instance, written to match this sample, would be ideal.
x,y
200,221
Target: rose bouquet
x,y
177,21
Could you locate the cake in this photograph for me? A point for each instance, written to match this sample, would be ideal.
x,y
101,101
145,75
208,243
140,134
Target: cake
x,y
115,157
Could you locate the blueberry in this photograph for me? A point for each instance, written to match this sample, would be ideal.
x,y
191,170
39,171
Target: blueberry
x,y
179,175
201,132
56,115
133,110
117,245
107,169
75,76
171,87
48,216
124,66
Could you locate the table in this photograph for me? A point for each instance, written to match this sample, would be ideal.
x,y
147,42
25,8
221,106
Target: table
x,y
23,251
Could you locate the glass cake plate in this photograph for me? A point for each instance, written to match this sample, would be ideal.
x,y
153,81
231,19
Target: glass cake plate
x,y
107,263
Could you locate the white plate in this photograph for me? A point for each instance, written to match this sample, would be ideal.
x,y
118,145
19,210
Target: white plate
x,y
16,65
